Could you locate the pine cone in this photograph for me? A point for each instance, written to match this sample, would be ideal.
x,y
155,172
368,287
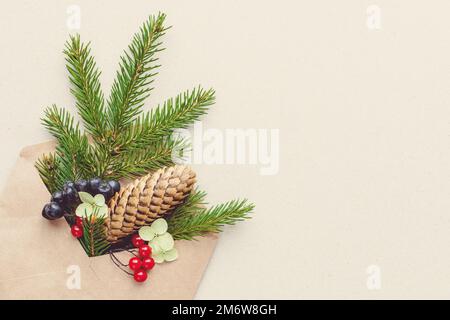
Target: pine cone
x,y
147,199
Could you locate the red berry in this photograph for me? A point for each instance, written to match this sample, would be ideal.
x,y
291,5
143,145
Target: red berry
x,y
140,276
137,241
76,231
79,221
135,263
145,251
148,263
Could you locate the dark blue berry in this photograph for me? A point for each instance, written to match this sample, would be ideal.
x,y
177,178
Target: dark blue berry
x,y
70,195
69,184
58,197
105,189
94,183
52,211
82,185
115,185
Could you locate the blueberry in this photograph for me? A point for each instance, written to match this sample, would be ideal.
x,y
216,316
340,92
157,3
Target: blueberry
x,y
94,183
105,189
70,184
52,211
58,197
82,185
115,185
70,195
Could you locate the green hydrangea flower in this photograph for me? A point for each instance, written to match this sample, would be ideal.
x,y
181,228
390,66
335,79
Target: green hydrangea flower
x,y
160,240
160,255
91,205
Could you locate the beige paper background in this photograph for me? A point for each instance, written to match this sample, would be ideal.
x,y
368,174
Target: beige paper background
x,y
363,118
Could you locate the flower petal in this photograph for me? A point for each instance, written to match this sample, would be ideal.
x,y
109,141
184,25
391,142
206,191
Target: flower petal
x,y
102,212
158,257
164,241
84,210
86,197
160,226
146,233
99,200
155,247
171,255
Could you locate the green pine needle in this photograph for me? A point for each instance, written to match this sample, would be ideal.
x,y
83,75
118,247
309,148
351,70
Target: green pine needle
x,y
193,204
84,76
160,122
60,123
73,152
192,220
135,75
47,166
94,240
133,163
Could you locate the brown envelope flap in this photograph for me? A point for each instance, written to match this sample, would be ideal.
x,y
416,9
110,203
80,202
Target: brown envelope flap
x,y
37,254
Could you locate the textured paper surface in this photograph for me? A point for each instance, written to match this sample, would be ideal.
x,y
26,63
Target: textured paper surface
x,y
36,254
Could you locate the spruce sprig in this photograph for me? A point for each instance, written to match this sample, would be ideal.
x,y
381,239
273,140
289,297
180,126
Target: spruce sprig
x,y
93,240
192,219
61,124
141,161
48,168
160,122
136,73
84,76
191,206
117,142
73,154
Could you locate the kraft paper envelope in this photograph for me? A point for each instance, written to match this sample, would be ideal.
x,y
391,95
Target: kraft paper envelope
x,y
39,259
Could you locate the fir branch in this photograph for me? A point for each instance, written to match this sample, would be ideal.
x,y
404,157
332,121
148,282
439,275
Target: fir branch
x,y
176,113
137,70
188,226
135,163
84,76
193,204
75,160
48,168
94,240
60,123
73,150
101,159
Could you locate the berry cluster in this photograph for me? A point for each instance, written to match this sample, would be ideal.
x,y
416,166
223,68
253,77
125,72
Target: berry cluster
x,y
140,265
67,199
77,228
